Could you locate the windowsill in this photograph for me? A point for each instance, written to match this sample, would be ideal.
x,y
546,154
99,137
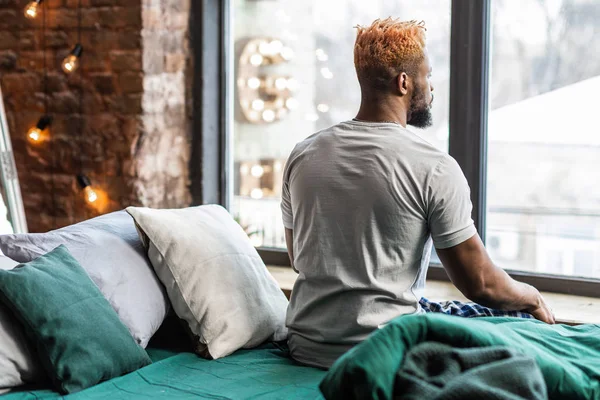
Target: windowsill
x,y
568,309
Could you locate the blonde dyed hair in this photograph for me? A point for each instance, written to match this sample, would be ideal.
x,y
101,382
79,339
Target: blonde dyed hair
x,y
387,48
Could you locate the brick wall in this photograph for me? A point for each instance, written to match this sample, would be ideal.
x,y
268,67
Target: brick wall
x,y
131,138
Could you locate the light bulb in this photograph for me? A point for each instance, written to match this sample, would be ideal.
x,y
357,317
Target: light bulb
x,y
292,84
326,72
71,62
31,10
253,83
256,59
291,103
258,104
256,193
323,108
281,83
268,115
37,133
276,46
277,166
287,53
244,169
34,135
257,171
90,194
321,55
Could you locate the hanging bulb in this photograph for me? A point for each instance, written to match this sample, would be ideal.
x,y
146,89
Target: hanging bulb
x,y
31,10
71,62
90,194
38,134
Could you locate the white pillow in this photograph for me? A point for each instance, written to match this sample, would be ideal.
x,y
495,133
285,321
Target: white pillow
x,y
109,249
17,362
214,277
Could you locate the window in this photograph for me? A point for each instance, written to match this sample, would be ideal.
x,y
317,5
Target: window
x,y
294,75
543,136
524,76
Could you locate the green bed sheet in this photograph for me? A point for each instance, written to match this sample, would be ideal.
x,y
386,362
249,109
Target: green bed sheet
x,y
265,373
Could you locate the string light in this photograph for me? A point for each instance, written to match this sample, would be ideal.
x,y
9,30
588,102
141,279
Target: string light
x,y
38,133
291,103
258,104
31,9
89,193
71,62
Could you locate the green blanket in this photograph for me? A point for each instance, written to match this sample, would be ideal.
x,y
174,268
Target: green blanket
x,y
436,371
265,373
569,357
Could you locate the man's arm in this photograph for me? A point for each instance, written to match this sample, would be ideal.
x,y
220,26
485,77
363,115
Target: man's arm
x,y
471,270
289,241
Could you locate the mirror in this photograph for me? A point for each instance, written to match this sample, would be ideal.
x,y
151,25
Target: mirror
x,y
12,213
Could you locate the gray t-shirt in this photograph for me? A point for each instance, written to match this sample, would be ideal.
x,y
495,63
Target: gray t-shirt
x,y
365,201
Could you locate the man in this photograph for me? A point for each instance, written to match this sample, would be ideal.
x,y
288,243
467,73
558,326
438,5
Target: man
x,y
364,200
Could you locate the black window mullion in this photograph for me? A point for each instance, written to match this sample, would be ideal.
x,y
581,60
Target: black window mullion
x,y
469,76
209,30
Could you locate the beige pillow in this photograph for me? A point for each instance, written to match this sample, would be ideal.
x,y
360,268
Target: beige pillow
x,y
215,279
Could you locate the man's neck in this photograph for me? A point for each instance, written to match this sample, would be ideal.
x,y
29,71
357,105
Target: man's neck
x,y
381,110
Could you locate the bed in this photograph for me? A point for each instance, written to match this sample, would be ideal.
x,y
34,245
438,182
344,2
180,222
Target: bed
x,y
265,372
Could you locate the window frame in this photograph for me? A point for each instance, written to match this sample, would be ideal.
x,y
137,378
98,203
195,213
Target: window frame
x,y
469,81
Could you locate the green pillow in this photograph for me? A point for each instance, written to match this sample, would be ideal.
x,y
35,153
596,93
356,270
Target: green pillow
x,y
79,337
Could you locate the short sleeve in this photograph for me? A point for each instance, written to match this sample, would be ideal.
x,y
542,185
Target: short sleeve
x,y
449,205
286,201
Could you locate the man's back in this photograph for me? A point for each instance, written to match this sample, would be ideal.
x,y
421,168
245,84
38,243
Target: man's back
x,y
359,198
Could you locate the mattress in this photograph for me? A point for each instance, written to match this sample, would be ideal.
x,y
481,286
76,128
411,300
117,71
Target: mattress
x,y
265,373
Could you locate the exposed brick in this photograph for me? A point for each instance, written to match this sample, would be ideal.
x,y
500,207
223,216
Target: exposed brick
x,y
175,62
28,40
131,82
8,39
126,60
58,39
109,140
103,83
20,83
8,60
64,103
61,18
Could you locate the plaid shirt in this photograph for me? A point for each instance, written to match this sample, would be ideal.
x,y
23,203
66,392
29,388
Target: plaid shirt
x,y
468,310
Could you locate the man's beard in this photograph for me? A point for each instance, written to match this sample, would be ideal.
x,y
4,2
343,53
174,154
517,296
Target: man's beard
x,y
420,113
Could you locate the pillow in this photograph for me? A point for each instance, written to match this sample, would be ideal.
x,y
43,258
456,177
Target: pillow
x,y
78,336
214,277
110,251
18,365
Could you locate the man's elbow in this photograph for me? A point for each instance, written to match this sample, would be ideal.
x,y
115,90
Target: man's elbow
x,y
478,290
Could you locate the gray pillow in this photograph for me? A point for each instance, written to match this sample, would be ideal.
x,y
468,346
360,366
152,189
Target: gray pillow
x,y
18,365
109,249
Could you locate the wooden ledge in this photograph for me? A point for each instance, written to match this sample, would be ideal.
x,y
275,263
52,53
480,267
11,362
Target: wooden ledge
x,y
569,309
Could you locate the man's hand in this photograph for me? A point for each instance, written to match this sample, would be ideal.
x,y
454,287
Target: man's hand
x,y
542,311
473,273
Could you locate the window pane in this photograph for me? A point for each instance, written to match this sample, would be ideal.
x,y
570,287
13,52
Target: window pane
x,y
294,76
543,191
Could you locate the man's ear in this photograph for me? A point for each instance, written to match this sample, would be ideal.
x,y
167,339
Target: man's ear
x,y
403,83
